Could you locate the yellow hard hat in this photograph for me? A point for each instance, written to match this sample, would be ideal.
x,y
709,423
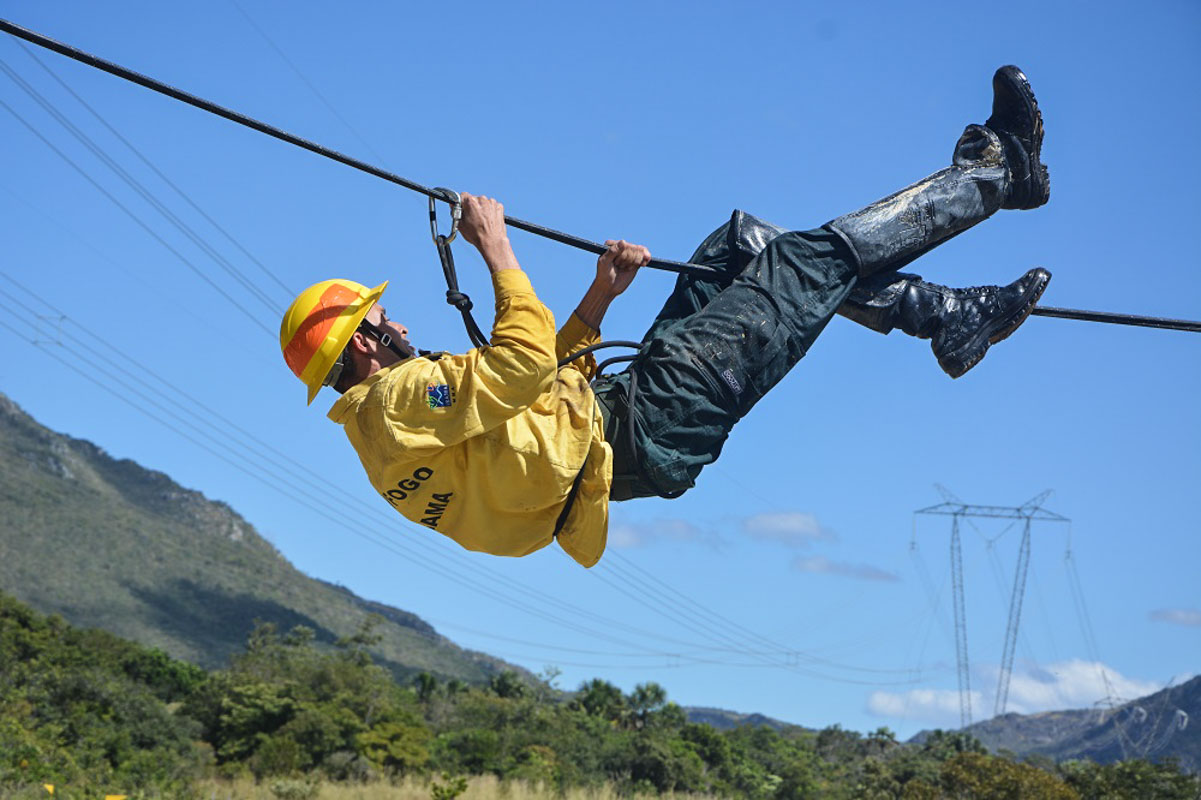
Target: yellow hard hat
x,y
318,325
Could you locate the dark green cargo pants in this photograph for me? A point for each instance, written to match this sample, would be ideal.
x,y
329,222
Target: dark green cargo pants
x,y
718,346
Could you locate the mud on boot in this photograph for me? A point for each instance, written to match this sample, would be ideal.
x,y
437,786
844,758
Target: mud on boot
x,y
996,165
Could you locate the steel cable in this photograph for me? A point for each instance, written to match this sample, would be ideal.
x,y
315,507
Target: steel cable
x,y
313,147
538,230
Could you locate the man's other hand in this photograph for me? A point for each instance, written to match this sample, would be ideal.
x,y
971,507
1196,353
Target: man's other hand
x,y
618,265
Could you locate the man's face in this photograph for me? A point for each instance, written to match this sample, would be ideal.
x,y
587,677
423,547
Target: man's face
x,y
378,316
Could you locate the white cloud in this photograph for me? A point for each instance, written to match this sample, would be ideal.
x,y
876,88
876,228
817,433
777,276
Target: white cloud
x,y
793,528
1065,684
935,706
637,534
1070,684
1190,617
820,565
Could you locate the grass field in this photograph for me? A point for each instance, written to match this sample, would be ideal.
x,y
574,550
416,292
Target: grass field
x,y
478,788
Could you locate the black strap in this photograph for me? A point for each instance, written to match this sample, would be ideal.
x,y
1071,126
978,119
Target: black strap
x,y
631,416
457,298
575,485
631,424
571,495
592,348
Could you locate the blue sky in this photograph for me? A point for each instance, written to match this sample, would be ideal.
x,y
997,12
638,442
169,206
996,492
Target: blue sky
x,y
786,582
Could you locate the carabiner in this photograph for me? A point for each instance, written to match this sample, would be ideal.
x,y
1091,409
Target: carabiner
x,y
451,198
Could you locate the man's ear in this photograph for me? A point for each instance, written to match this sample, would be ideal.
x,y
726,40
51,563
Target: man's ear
x,y
351,362
357,343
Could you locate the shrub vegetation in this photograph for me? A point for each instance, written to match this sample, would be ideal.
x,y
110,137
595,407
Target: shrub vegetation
x,y
94,715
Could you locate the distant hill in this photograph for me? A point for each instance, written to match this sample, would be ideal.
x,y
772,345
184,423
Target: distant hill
x,y
109,544
1160,725
726,720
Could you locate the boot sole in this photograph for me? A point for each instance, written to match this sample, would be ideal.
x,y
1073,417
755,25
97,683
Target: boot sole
x,y
1042,279
998,331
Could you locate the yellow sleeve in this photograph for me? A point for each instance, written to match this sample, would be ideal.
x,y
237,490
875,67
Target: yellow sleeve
x,y
574,336
436,403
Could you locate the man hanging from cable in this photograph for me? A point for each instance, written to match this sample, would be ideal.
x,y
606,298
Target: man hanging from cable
x,y
503,450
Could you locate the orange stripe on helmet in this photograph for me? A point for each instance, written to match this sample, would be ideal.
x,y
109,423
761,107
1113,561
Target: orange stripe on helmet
x,y
311,334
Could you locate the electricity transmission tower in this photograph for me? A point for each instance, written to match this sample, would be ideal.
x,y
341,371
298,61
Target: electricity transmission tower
x,y
1027,513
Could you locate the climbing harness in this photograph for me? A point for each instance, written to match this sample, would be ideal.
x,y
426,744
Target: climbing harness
x,y
454,296
631,423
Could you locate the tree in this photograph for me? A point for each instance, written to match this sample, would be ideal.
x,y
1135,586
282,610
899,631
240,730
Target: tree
x,y
1134,778
508,685
836,744
285,705
882,739
427,686
396,746
601,699
975,776
357,644
941,745
644,702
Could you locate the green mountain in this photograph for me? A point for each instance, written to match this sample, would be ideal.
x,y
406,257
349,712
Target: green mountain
x,y
109,544
1166,724
724,720
1161,725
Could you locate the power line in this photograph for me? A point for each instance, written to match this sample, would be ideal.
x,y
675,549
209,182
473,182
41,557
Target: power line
x,y
141,156
249,286
279,463
122,376
737,638
311,87
762,643
184,259
265,475
643,583
161,290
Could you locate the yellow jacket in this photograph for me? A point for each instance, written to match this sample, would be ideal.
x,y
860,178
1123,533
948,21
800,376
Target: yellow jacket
x,y
484,447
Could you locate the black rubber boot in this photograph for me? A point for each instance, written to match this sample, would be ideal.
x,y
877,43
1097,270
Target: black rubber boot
x,y
1019,123
994,166
961,323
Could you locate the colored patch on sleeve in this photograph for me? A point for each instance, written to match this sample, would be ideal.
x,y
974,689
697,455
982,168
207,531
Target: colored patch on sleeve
x,y
440,395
